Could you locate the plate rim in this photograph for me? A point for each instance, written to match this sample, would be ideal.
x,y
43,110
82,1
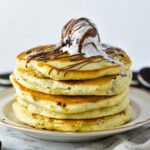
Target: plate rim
x,y
43,131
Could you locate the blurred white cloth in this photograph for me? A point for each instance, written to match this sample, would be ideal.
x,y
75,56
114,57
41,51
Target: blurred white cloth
x,y
138,139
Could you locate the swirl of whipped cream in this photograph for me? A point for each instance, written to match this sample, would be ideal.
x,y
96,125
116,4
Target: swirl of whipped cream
x,y
80,36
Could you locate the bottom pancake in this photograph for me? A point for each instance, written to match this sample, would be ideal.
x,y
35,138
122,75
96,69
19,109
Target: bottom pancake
x,y
101,112
87,125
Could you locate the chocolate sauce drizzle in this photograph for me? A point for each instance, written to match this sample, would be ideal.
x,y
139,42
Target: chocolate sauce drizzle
x,y
54,52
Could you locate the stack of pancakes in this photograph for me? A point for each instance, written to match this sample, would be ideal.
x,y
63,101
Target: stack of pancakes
x,y
71,94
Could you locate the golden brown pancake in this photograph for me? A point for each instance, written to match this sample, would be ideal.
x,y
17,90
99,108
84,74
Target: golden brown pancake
x,y
96,113
108,85
63,68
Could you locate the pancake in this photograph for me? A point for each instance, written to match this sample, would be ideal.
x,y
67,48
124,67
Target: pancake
x,y
66,104
101,112
70,67
108,85
79,125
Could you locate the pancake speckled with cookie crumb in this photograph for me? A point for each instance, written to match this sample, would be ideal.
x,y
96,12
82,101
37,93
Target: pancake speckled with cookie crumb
x,y
77,85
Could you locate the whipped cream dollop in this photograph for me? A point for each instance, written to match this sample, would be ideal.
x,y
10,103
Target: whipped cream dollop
x,y
80,36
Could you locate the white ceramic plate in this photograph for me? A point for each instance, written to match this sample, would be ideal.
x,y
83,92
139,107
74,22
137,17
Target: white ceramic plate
x,y
140,101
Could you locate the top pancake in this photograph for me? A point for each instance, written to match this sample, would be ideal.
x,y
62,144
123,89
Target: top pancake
x,y
66,67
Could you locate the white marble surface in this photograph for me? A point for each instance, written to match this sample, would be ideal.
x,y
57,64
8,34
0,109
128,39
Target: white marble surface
x,y
16,140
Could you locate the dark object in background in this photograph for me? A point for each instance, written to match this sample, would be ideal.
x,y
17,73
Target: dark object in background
x,y
141,79
4,79
144,77
0,145
135,81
